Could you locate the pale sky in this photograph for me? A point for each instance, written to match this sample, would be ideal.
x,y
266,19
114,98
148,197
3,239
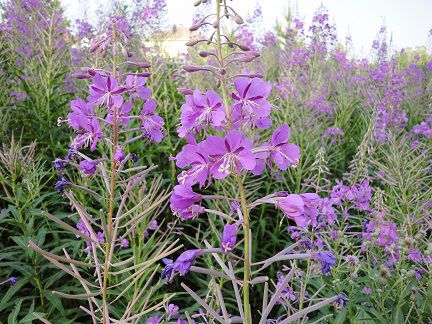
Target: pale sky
x,y
409,21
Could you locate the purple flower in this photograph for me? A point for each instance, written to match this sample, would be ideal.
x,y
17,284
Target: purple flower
x,y
193,155
124,243
182,265
119,154
81,111
229,237
367,291
153,225
415,255
12,280
88,167
90,134
185,260
151,124
342,300
282,153
293,207
136,86
105,91
201,110
183,201
122,113
172,310
327,259
252,107
62,183
155,319
100,237
59,164
229,154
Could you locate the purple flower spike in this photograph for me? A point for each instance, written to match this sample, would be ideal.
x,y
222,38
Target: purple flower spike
x,y
201,110
183,202
230,154
88,167
105,91
327,259
229,237
252,107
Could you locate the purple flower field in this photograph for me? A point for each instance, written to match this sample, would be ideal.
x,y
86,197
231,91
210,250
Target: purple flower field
x,y
260,177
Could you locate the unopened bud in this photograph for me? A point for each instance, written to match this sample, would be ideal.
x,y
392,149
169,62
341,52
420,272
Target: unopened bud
x,y
143,65
244,47
193,42
185,91
197,3
238,20
190,68
78,75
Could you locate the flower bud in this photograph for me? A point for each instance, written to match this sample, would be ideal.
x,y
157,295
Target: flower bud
x,y
244,47
190,68
197,3
80,76
143,65
185,91
238,20
193,42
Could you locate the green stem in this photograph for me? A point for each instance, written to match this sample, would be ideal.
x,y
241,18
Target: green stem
x,y
246,271
112,197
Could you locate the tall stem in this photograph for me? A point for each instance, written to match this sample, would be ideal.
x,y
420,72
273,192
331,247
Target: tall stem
x,y
109,242
246,268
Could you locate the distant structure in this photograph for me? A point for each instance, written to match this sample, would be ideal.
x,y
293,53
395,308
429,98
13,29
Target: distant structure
x,y
172,43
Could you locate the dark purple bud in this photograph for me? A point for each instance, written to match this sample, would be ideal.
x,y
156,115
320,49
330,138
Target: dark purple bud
x,y
197,3
89,71
134,158
62,183
216,24
244,47
185,91
190,68
80,76
205,53
143,65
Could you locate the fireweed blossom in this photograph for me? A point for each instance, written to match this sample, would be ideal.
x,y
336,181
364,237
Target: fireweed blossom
x,y
195,156
230,154
252,107
105,91
201,110
229,237
182,265
278,151
327,260
183,201
151,123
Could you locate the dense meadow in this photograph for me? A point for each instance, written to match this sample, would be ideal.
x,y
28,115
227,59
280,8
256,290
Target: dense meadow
x,y
265,177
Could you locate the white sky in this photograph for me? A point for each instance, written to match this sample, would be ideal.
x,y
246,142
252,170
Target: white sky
x,y
409,21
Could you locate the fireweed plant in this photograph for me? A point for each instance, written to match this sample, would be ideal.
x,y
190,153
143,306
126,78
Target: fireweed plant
x,y
115,205
236,151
